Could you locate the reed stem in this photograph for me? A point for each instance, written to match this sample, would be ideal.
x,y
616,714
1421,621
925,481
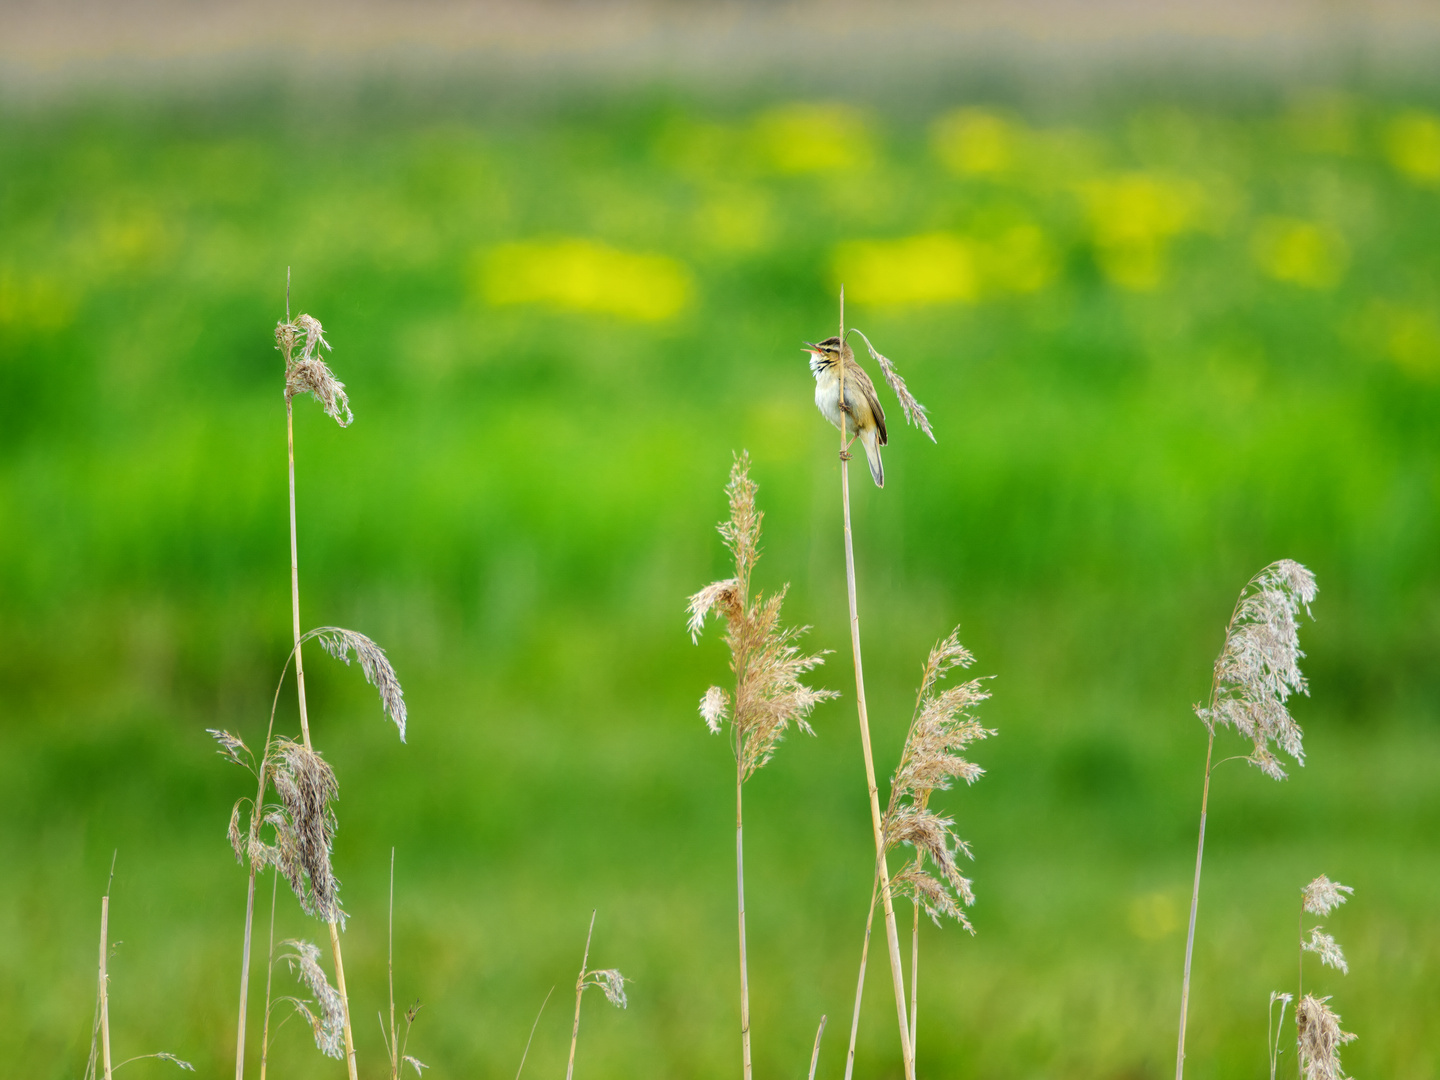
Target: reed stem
x,y
740,892
305,723
860,983
105,983
390,965
815,1054
1194,905
269,978
915,978
579,990
892,934
245,978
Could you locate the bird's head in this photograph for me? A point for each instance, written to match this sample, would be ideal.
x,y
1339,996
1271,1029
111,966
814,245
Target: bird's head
x,y
824,354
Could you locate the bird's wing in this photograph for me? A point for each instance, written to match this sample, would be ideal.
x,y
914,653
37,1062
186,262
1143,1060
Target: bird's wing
x,y
867,390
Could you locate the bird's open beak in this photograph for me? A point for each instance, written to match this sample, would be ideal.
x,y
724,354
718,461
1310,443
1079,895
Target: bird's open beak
x,y
812,348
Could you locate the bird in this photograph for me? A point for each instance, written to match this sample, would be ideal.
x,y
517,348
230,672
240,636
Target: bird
x,y
863,416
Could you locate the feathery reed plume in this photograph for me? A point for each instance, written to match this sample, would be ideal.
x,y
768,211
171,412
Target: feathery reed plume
x,y
1323,896
1320,897
340,643
915,413
767,664
610,982
306,828
1274,1027
942,726
1256,672
327,1018
308,372
1320,1039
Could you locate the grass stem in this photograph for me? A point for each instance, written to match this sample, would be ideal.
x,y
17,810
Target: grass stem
x,y
105,984
1194,905
860,983
579,990
892,933
740,892
536,1024
269,977
815,1054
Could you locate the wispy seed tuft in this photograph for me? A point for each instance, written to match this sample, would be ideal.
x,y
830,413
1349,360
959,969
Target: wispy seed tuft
x,y
308,373
1327,948
915,413
305,829
1259,666
1320,1039
1323,896
327,1020
340,643
611,984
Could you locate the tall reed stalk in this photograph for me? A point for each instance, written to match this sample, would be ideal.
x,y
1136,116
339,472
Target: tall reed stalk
x,y
768,695
1256,672
303,824
914,413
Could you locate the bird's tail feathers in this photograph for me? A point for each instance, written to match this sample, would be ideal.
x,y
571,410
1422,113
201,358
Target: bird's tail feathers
x,y
870,440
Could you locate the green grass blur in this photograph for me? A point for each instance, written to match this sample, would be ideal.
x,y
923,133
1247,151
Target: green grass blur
x,y
1164,340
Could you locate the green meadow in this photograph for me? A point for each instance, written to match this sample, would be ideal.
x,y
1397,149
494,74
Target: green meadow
x,y
1164,337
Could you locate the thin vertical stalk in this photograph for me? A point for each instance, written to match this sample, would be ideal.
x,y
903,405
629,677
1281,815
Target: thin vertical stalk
x,y
1194,905
579,990
305,723
533,1026
740,893
105,983
390,965
245,977
269,978
860,983
892,934
815,1054
915,978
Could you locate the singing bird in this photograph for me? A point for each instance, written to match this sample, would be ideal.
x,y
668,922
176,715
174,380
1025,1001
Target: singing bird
x,y
862,414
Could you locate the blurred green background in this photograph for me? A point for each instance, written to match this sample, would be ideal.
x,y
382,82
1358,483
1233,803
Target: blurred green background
x,y
1166,336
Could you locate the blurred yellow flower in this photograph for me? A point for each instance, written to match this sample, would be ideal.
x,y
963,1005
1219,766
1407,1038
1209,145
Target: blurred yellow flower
x,y
806,138
1412,141
583,275
930,269
1300,252
975,141
740,219
1132,218
938,268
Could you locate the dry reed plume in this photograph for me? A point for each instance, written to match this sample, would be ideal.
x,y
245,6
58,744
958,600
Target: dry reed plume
x,y
767,664
915,414
1318,1033
302,825
610,983
1256,672
942,726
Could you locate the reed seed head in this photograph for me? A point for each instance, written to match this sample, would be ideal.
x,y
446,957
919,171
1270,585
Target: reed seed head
x,y
308,373
234,834
231,747
327,1021
1327,948
305,830
1258,667
943,725
769,696
1323,896
1320,1039
915,413
340,643
416,1064
611,984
